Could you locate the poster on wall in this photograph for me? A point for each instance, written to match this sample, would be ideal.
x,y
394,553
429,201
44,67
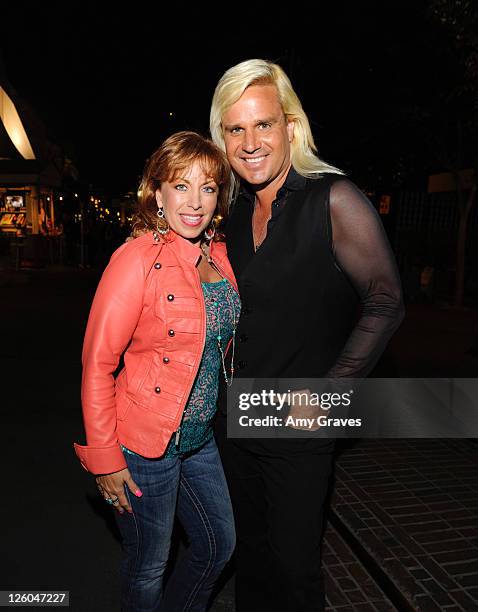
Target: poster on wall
x,y
14,202
17,219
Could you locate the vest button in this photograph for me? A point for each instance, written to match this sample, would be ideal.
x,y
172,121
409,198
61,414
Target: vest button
x,y
170,297
157,389
171,332
157,265
243,338
241,365
165,359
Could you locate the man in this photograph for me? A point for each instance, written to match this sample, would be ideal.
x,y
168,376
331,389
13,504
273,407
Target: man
x,y
307,249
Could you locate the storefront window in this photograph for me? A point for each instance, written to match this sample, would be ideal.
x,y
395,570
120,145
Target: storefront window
x,y
14,202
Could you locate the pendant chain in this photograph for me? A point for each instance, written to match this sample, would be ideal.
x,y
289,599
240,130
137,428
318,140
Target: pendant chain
x,y
227,378
262,234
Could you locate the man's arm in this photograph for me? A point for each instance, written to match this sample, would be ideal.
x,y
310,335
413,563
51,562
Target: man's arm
x,y
361,249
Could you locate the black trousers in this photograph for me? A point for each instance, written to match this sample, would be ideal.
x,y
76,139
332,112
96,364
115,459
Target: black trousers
x,y
278,490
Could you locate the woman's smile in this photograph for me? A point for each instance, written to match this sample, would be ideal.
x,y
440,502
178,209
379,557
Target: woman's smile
x,y
191,220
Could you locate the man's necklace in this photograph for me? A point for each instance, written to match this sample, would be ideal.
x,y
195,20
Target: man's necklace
x,y
259,236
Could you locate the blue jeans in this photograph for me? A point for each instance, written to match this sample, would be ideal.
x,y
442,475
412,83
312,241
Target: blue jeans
x,y
194,488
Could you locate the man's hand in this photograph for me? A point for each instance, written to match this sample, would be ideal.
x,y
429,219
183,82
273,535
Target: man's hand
x,y
304,415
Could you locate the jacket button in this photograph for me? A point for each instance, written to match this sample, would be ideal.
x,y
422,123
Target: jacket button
x,y
171,332
241,365
165,359
157,265
246,311
170,297
157,389
243,338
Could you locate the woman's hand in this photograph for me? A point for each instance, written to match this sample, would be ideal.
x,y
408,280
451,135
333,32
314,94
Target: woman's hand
x,y
111,486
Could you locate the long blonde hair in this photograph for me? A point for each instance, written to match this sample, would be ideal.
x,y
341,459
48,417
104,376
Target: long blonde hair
x,y
232,85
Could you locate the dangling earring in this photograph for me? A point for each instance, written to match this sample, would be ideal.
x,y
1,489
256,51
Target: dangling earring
x,y
210,232
161,217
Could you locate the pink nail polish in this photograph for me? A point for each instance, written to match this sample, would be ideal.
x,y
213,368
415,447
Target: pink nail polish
x,y
138,493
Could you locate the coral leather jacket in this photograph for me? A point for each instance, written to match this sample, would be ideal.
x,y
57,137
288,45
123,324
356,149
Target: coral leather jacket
x,y
149,301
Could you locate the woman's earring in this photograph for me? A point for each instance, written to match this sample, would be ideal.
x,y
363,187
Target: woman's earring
x,y
210,232
162,225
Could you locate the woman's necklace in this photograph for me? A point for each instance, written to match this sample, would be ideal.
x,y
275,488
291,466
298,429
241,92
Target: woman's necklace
x,y
235,320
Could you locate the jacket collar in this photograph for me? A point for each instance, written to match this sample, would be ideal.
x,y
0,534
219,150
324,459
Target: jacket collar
x,y
188,251
218,251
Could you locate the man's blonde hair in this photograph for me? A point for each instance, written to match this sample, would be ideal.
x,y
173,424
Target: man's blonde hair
x,y
232,85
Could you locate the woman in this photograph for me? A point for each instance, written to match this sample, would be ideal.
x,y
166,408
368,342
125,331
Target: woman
x,y
169,297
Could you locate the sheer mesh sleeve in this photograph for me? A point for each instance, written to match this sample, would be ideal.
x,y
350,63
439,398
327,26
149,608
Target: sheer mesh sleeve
x,y
362,251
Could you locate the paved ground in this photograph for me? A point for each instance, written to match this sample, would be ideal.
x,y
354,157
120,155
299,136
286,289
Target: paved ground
x,y
403,531
349,585
412,506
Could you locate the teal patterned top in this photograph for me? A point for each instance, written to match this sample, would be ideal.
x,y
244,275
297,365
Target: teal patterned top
x,y
222,307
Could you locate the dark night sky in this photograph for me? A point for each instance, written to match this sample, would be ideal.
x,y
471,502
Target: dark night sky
x,y
104,79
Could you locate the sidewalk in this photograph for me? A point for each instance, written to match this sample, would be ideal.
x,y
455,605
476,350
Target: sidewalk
x,y
412,506
348,585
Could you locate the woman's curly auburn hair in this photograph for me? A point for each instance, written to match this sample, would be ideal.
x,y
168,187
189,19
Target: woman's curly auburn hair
x,y
176,154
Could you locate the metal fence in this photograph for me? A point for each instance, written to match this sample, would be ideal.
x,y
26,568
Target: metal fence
x,y
424,235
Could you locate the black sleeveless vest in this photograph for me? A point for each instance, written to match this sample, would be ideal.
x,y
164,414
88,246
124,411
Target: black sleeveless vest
x,y
298,307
